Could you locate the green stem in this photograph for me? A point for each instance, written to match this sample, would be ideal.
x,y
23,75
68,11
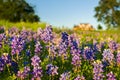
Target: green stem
x,y
17,56
8,69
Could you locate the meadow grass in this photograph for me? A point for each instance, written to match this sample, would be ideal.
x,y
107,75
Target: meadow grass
x,y
27,25
80,54
35,25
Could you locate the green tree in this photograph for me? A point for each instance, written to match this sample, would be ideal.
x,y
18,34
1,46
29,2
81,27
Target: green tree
x,y
99,27
17,10
108,12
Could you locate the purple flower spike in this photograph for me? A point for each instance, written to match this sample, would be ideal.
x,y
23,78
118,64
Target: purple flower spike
x,y
1,39
52,70
113,45
1,64
17,45
46,35
108,56
38,48
98,71
37,72
76,61
110,76
65,76
118,58
53,51
23,74
6,58
88,53
35,61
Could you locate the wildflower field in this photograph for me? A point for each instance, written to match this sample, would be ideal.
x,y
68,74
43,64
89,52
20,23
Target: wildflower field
x,y
47,55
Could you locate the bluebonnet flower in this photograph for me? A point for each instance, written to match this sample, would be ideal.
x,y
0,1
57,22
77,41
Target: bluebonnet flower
x,y
29,36
108,56
6,57
47,35
75,45
113,45
35,61
1,38
110,76
36,37
63,45
5,39
101,46
65,76
80,78
64,38
37,73
23,74
88,53
74,48
37,70
2,64
76,61
97,70
39,34
118,58
95,47
24,34
53,51
20,74
11,38
17,45
75,51
62,49
51,69
26,69
4,60
118,49
38,47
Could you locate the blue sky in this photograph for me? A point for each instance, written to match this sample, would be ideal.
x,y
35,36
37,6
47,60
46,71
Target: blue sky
x,y
65,12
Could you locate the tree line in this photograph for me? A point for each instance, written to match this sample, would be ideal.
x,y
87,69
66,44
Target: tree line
x,y
17,10
107,12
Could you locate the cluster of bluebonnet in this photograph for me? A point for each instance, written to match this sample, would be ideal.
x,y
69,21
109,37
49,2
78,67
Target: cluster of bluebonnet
x,y
29,55
111,76
98,70
4,60
23,74
118,58
108,56
17,45
1,38
65,76
37,69
51,69
80,78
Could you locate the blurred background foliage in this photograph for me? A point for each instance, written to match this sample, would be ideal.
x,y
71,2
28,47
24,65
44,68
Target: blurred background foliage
x,y
17,10
21,14
108,12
